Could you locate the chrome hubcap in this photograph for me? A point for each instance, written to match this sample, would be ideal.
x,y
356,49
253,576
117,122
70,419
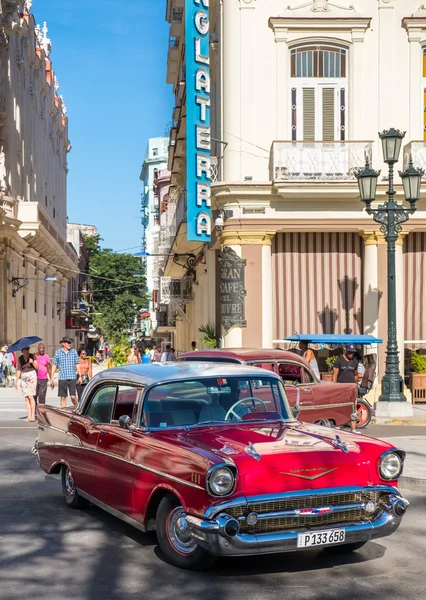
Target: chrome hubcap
x,y
69,483
179,533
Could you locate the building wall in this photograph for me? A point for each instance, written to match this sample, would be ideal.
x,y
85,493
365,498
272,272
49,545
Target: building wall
x,y
33,171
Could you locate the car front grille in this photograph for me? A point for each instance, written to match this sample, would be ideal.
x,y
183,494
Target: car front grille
x,y
351,514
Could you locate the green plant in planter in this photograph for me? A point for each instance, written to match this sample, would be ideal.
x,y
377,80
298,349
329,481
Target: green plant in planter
x,y
418,362
330,363
208,338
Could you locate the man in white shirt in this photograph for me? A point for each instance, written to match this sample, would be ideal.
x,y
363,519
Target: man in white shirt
x,y
154,354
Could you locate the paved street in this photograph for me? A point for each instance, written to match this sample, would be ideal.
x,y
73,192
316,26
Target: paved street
x,y
49,551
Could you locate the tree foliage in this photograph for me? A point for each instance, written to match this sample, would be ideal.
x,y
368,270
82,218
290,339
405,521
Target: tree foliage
x,y
116,294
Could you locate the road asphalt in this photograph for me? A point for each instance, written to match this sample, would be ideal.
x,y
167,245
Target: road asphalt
x,y
50,552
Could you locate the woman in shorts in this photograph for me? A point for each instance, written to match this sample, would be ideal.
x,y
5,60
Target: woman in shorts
x,y
27,372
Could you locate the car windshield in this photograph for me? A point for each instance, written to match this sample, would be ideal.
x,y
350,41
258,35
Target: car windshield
x,y
215,400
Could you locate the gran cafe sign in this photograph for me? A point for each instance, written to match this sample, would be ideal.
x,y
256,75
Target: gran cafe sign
x,y
198,137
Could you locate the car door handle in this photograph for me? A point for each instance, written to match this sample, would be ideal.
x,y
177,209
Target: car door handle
x,y
306,389
73,421
104,432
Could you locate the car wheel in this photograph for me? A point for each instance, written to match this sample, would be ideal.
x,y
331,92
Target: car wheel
x,y
324,423
345,548
69,490
175,540
363,410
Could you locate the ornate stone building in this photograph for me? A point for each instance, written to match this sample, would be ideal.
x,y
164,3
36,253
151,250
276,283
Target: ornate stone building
x,y
296,92
36,261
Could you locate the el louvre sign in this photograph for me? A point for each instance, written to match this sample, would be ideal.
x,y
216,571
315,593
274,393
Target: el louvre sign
x,y
198,139
232,290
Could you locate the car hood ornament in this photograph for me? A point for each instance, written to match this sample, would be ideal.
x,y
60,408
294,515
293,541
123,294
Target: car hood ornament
x,y
337,443
251,451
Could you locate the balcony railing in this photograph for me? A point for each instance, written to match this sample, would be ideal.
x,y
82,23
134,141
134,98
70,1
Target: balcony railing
x,y
178,290
215,174
318,161
417,150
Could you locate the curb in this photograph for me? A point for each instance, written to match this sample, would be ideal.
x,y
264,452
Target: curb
x,y
413,483
409,421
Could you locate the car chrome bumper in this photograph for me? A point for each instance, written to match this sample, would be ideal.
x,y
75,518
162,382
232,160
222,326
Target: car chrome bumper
x,y
212,535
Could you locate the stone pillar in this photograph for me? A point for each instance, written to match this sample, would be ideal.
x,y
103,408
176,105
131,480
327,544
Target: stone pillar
x,y
282,79
415,37
255,248
386,28
400,301
372,294
231,52
3,294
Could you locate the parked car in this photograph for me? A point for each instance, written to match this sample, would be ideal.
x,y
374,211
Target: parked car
x,y
212,458
321,402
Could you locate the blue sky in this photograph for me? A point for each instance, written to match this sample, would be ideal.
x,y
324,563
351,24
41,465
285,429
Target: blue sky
x,y
110,58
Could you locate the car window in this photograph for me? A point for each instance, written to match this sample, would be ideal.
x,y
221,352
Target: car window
x,y
197,358
290,373
261,365
101,404
125,401
211,400
308,377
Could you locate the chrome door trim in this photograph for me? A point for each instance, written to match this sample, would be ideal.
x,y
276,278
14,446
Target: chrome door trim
x,y
111,511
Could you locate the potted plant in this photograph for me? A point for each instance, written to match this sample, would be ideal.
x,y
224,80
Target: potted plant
x,y
330,363
418,377
208,339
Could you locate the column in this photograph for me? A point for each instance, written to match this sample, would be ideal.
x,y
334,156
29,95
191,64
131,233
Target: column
x,y
387,45
267,291
282,79
231,52
3,294
415,132
356,124
211,259
400,301
372,294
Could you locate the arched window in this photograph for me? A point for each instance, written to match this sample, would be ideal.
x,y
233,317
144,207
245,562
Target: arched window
x,y
318,92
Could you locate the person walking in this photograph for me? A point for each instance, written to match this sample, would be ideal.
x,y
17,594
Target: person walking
x,y
67,363
168,355
155,354
309,356
3,366
133,358
27,373
43,373
86,372
11,367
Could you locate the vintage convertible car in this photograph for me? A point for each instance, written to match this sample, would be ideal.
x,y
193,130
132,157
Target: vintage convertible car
x,y
321,402
212,458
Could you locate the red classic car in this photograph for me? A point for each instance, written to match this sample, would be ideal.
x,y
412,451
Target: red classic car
x,y
212,458
321,402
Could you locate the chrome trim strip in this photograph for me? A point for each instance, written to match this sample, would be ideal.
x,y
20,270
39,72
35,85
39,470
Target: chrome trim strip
x,y
111,511
129,462
244,501
324,406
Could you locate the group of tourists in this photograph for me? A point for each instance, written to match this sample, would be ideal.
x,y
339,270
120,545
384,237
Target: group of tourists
x,y
153,354
35,371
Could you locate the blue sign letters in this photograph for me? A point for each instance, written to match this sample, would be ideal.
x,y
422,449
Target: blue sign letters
x,y
198,138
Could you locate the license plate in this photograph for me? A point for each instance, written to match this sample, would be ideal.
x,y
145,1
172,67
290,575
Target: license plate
x,y
321,538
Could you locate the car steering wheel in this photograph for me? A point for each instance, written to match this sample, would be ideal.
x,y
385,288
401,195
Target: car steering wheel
x,y
231,410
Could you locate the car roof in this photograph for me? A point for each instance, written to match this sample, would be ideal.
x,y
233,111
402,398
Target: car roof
x,y
245,354
152,373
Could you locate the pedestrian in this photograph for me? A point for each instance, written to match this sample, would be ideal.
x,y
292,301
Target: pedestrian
x,y
3,365
168,354
86,372
345,370
43,373
155,354
27,373
11,367
98,358
309,356
67,363
194,347
133,358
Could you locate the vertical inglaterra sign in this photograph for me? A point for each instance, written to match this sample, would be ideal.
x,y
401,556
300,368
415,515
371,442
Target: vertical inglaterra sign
x,y
232,291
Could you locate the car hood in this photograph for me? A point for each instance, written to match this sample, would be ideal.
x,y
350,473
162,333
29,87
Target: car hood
x,y
274,458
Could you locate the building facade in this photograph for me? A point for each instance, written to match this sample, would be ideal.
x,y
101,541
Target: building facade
x,y
297,93
36,260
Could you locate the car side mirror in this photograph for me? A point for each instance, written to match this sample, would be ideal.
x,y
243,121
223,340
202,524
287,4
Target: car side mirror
x,y
125,421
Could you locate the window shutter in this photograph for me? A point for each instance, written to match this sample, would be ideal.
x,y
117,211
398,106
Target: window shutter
x,y
328,118
308,114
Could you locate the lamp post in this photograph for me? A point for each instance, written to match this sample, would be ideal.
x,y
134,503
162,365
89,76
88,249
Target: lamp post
x,y
390,215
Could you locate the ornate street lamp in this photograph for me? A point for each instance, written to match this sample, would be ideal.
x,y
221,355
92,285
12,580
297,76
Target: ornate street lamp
x,y
390,215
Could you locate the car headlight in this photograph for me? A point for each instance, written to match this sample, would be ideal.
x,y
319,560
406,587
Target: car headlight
x,y
390,465
221,481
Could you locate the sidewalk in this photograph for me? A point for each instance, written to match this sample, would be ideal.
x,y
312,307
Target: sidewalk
x,y
414,477
418,418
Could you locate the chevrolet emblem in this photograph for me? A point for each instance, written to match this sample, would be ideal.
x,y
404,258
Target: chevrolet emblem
x,y
310,477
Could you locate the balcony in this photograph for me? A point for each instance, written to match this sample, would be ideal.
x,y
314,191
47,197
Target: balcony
x,y
215,170
417,150
318,161
175,290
